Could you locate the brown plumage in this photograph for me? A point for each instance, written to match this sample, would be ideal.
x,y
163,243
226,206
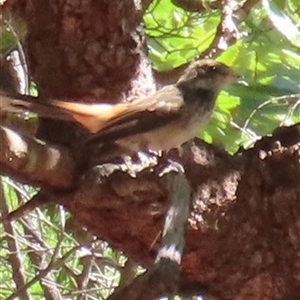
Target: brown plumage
x,y
166,119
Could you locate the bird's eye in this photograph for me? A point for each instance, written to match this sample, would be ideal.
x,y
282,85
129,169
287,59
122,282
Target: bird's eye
x,y
211,68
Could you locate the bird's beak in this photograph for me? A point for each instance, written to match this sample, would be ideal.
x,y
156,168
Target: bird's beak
x,y
235,76
241,80
232,77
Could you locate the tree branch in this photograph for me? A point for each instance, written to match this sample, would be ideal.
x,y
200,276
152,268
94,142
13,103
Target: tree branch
x,y
32,161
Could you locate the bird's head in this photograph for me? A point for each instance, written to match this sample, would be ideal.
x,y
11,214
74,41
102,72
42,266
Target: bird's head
x,y
207,74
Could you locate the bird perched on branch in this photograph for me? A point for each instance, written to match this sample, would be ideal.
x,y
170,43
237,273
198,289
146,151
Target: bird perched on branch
x,y
164,120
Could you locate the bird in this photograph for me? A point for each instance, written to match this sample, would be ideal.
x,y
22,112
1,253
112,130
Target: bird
x,y
161,121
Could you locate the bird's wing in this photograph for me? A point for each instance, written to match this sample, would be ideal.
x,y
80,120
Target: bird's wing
x,y
104,119
20,103
142,115
91,116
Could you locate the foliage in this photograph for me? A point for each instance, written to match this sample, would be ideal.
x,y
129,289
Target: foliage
x,y
267,58
53,248
266,54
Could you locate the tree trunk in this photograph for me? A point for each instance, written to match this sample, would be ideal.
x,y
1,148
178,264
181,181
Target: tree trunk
x,y
243,238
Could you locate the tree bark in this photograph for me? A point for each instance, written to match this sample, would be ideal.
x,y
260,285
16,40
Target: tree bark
x,y
243,237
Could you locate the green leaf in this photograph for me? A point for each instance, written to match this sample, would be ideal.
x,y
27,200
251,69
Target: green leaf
x,y
281,21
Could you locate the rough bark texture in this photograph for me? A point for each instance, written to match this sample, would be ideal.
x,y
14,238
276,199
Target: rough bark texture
x,y
243,237
81,49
